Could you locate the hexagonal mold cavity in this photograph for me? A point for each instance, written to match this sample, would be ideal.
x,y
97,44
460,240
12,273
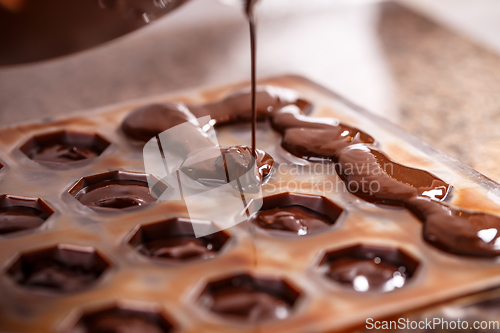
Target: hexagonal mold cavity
x,y
369,268
61,268
115,190
22,213
63,147
249,299
123,318
299,214
174,240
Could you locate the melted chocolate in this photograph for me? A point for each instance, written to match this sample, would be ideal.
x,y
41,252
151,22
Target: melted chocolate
x,y
366,275
62,153
248,298
322,144
57,275
373,177
64,147
457,231
296,219
121,324
179,248
117,194
19,218
148,121
234,163
249,305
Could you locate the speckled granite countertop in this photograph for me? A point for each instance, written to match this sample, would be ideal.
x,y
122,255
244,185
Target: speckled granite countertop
x,y
448,88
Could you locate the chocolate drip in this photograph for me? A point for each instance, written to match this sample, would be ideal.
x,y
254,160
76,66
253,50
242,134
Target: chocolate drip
x,y
118,194
19,218
297,219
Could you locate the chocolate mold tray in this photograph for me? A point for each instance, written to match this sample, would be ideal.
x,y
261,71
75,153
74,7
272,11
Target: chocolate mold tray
x,y
115,276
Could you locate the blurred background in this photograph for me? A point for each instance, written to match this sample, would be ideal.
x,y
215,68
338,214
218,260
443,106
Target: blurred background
x,y
432,67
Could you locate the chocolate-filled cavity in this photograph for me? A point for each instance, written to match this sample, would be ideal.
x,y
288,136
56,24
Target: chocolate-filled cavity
x,y
61,268
235,163
457,231
148,121
372,176
237,107
113,190
122,320
369,268
174,240
249,298
298,214
64,147
22,213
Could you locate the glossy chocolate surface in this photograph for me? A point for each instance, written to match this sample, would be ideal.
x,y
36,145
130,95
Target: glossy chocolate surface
x,y
366,275
118,320
369,268
18,218
296,219
249,299
178,248
174,240
117,194
22,213
58,269
64,147
148,121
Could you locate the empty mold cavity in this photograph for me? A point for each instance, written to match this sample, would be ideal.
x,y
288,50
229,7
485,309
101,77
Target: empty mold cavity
x,y
249,299
22,213
299,214
122,318
61,268
369,268
174,240
64,147
115,190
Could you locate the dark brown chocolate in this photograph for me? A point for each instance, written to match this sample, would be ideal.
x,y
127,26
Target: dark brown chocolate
x,y
64,147
117,194
22,213
457,231
234,163
297,219
369,268
372,176
367,275
249,299
180,248
19,218
148,121
122,320
174,240
58,269
322,144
